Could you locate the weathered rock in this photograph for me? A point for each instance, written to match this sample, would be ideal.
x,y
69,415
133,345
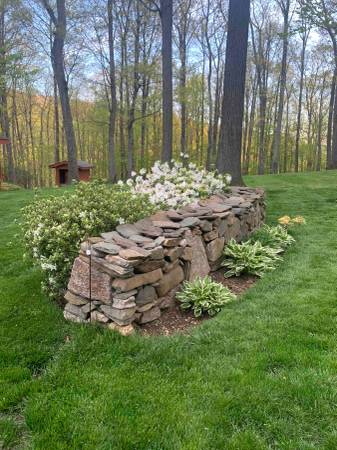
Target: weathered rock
x,y
170,280
199,263
219,208
150,316
147,229
187,254
107,247
145,295
126,230
159,240
137,281
123,304
173,215
76,311
97,316
144,308
170,266
134,253
206,226
112,269
75,299
140,239
88,307
166,302
214,249
190,222
223,227
173,253
211,235
124,295
150,265
72,318
171,242
120,316
117,260
118,239
126,330
79,282
166,224
157,253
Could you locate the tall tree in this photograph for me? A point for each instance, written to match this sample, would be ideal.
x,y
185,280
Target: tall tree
x,y
112,98
230,142
323,14
285,9
58,18
304,35
166,17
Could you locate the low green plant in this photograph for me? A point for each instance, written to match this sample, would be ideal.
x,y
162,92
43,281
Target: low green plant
x,y
203,295
275,237
249,258
54,227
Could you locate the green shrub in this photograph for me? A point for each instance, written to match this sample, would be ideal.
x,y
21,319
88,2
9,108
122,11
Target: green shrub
x,y
54,227
204,295
250,258
275,237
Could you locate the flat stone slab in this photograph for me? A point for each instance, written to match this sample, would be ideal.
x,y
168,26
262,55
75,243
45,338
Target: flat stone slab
x,y
199,262
170,280
107,247
79,281
137,280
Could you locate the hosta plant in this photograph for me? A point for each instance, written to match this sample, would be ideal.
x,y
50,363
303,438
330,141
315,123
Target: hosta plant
x,y
54,227
249,258
174,185
275,237
203,295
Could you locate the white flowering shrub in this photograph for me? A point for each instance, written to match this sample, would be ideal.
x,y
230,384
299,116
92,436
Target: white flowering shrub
x,y
173,185
54,227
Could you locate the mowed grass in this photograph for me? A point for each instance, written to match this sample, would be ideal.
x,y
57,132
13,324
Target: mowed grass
x,y
261,375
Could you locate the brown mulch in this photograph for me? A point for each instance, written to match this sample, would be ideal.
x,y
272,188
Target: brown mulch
x,y
174,320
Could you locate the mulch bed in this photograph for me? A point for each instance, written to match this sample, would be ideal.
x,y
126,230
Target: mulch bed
x,y
174,320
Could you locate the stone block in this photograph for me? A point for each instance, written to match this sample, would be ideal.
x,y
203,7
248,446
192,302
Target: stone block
x,y
150,316
145,295
199,266
137,280
214,249
170,280
79,281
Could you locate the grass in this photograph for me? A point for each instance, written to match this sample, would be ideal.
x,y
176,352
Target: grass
x,y
261,375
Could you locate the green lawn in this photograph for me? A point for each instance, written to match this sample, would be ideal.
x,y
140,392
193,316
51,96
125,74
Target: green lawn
x,y
261,375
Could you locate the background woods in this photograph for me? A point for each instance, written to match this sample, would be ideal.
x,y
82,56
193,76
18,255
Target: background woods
x,y
105,80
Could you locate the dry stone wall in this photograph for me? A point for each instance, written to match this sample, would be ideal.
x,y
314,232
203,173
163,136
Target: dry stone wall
x,y
135,267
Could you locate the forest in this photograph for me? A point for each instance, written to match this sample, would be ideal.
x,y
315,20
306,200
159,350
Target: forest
x,y
123,83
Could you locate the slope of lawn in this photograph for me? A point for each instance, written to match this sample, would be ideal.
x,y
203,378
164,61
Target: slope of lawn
x,y
262,374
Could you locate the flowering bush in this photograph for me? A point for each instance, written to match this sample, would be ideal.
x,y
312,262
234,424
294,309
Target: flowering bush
x,y
54,227
173,185
204,295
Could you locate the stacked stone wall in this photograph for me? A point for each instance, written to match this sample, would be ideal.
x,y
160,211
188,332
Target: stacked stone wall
x,y
135,268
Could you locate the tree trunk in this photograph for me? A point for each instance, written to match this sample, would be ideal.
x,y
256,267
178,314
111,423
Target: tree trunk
x,y
166,12
299,112
57,57
113,99
229,154
283,82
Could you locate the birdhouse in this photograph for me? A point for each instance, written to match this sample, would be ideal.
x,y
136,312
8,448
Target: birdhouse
x,y
4,140
61,171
